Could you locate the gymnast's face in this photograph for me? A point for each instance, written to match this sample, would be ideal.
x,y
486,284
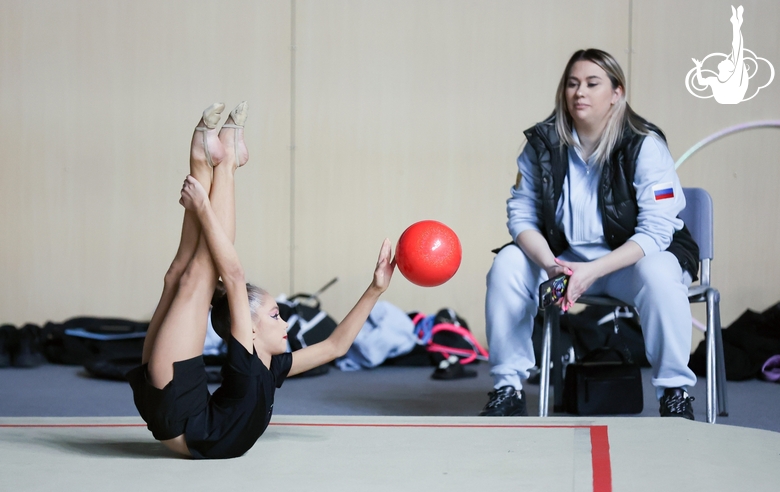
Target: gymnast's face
x,y
270,328
590,95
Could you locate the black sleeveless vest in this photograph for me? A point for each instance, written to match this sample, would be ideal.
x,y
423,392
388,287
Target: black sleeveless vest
x,y
616,198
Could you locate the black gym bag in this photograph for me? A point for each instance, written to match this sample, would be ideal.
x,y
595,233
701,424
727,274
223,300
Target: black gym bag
x,y
604,382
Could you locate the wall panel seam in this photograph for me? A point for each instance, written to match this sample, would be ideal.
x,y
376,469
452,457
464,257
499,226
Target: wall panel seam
x,y
293,48
630,87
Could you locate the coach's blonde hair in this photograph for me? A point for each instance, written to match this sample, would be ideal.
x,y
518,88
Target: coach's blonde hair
x,y
621,113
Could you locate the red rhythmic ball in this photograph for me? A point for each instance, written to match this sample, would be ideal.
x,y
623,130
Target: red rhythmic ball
x,y
428,253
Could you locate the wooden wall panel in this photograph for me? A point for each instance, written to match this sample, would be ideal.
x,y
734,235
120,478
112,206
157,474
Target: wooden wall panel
x,y
403,111
100,99
741,170
414,110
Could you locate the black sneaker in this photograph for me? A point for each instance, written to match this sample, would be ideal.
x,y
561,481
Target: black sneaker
x,y
676,403
505,402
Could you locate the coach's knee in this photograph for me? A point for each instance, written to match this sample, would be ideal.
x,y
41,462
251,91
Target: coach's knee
x,y
507,266
660,272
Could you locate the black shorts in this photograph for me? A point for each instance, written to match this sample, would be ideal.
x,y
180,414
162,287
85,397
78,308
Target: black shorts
x,y
167,410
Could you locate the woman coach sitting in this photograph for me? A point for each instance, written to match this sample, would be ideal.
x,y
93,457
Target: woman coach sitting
x,y
597,199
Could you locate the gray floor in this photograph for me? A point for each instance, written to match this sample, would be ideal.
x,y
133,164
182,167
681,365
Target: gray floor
x,y
68,391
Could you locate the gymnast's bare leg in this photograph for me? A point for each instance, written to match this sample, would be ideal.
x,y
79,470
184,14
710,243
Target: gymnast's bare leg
x,y
183,311
206,150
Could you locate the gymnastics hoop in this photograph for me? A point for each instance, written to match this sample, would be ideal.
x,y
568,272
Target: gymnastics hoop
x,y
726,131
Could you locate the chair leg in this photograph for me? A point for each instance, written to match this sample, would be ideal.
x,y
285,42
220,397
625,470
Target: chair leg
x,y
710,344
720,361
556,364
716,369
544,375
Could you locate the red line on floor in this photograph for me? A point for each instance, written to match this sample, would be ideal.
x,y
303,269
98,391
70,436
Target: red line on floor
x,y
302,424
42,426
444,426
602,465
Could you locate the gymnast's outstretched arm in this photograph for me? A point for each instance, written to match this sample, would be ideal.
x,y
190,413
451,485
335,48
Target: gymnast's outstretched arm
x,y
342,337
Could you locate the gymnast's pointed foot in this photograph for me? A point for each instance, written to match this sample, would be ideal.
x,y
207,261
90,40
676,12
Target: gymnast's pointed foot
x,y
232,136
206,147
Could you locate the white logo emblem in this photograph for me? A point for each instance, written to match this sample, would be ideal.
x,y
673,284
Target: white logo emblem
x,y
730,84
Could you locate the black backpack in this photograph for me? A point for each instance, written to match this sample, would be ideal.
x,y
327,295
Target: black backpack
x,y
441,335
86,339
106,347
307,323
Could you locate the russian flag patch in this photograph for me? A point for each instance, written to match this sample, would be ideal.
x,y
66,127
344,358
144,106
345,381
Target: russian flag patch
x,y
663,191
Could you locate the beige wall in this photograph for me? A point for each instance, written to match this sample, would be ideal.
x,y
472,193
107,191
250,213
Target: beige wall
x,y
365,116
100,100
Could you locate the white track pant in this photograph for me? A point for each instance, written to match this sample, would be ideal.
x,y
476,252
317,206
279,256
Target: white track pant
x,y
656,285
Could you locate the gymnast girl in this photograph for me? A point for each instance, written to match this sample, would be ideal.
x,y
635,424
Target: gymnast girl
x,y
169,387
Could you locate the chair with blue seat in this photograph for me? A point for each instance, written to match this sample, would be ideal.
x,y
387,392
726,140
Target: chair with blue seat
x,y
698,216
